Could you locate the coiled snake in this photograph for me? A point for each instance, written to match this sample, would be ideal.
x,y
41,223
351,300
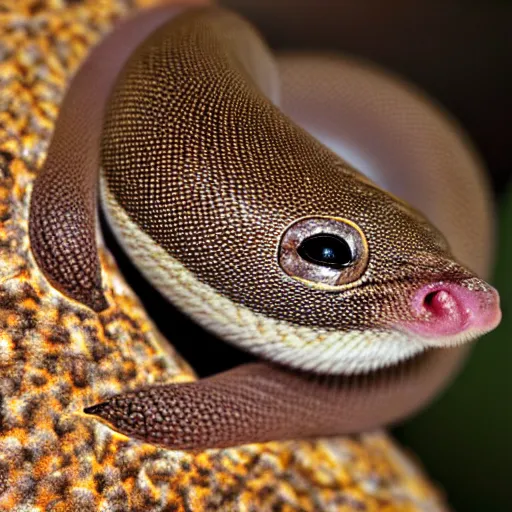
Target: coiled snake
x,y
230,179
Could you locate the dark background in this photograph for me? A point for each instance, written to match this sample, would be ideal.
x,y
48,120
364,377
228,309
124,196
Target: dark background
x,y
461,53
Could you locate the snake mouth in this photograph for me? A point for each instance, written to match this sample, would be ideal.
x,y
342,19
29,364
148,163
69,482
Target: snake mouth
x,y
450,313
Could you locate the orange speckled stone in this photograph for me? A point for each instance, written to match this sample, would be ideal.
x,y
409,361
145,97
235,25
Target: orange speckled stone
x,y
57,357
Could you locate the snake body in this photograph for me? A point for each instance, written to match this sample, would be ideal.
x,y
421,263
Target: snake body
x,y
212,181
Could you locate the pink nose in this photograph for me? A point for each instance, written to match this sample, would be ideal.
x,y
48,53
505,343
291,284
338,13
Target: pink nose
x,y
447,309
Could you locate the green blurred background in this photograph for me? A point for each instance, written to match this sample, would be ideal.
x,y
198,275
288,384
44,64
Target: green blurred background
x,y
461,53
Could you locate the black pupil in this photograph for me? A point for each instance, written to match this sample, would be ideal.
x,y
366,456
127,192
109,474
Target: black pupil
x,y
326,250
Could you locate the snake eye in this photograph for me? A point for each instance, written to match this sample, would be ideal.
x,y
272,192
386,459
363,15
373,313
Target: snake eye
x,y
327,250
324,252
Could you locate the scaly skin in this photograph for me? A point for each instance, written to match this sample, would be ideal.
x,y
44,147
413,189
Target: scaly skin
x,y
57,356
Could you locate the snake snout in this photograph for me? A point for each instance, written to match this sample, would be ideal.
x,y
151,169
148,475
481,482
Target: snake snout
x,y
449,313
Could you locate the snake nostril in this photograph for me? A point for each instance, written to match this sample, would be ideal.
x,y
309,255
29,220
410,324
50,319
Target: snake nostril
x,y
430,298
441,303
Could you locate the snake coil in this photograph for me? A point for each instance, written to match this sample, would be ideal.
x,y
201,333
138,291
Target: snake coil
x,y
230,179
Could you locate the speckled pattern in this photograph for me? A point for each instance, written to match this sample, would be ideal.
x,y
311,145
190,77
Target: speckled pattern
x,y
57,357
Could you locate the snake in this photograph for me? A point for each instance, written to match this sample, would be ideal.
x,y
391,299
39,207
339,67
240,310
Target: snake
x,y
318,212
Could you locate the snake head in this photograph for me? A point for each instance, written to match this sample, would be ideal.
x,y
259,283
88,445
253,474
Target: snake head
x,y
383,283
